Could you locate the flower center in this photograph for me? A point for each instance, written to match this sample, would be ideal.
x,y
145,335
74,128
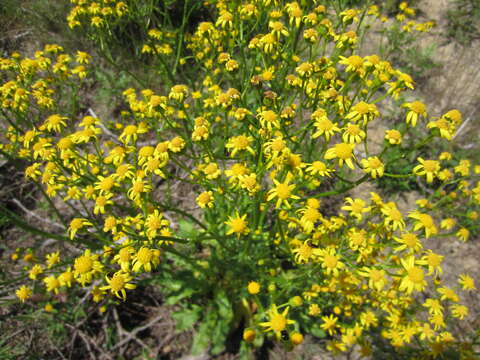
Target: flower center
x,y
415,274
83,264
278,322
283,191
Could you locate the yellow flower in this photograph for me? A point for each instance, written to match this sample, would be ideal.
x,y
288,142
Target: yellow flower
x,y
429,168
249,335
239,143
413,277
356,207
463,234
376,278
363,111
344,153
278,322
85,267
146,258
394,137
416,109
424,221
467,282
409,241
130,133
319,168
253,287
304,252
331,262
353,134
117,285
154,223
373,166
52,258
329,323
353,63
35,271
23,293
205,199
283,192
52,283
325,127
296,338
237,225
77,224
459,311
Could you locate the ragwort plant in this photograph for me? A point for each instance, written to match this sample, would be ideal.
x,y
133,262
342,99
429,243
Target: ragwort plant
x,y
277,121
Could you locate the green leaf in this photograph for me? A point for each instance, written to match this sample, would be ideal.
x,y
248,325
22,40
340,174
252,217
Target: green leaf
x,y
186,319
201,341
186,229
318,332
175,299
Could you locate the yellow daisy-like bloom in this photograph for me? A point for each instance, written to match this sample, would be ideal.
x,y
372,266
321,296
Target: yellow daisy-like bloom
x,y
304,252
130,133
54,123
325,127
448,294
466,282
154,223
445,127
35,271
77,224
23,293
433,261
329,323
283,192
176,144
205,199
424,221
413,276
363,111
310,215
145,258
331,262
139,186
66,278
343,152
459,311
463,234
237,225
373,166
356,207
429,168
178,92
353,63
393,217
409,241
416,109
377,278
85,267
269,119
448,223
353,134
118,283
52,258
278,322
253,287
52,283
394,137
319,168
240,143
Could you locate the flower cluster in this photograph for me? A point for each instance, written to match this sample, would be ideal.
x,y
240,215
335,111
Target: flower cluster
x,y
281,105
